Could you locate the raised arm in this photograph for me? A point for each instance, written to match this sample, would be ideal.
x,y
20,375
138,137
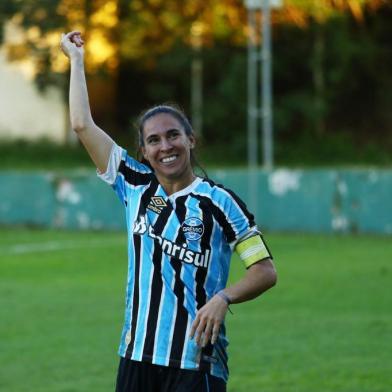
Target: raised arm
x,y
97,143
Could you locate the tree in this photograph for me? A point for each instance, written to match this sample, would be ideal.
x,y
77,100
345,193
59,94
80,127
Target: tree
x,y
314,15
142,50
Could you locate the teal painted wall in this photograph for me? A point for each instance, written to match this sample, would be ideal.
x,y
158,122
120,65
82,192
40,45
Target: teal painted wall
x,y
282,200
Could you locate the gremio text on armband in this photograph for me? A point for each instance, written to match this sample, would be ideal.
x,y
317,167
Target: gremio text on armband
x,y
252,250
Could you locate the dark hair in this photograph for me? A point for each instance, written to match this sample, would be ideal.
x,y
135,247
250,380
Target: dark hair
x,y
171,109
175,111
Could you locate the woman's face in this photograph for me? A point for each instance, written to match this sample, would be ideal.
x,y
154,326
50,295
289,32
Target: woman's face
x,y
167,147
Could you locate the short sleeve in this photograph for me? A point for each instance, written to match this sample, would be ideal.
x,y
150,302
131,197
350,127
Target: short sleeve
x,y
114,162
232,214
241,220
124,173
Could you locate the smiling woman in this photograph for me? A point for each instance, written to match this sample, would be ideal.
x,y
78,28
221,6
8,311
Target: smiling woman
x,y
166,141
183,126
182,230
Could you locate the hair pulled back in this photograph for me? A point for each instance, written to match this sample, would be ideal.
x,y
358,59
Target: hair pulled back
x,y
175,111
172,109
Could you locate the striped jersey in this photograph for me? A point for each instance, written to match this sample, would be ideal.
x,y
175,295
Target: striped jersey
x,y
179,251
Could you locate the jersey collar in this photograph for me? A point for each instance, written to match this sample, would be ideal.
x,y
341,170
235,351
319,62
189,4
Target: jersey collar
x,y
186,190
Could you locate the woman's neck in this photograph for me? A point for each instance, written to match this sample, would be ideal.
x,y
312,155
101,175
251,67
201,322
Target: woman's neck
x,y
173,185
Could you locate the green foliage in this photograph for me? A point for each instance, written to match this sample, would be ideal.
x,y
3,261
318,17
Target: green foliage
x,y
355,122
332,75
340,121
7,8
41,155
325,327
307,151
41,18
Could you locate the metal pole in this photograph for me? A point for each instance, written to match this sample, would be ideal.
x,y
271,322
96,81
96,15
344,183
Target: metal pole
x,y
252,91
252,112
266,88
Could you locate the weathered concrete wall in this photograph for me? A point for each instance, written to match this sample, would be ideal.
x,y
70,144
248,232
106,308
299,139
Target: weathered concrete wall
x,y
282,200
24,111
77,200
319,200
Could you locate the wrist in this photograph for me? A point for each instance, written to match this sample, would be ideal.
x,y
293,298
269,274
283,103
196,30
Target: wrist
x,y
77,61
225,297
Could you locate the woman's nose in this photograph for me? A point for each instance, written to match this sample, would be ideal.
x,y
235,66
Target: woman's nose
x,y
165,144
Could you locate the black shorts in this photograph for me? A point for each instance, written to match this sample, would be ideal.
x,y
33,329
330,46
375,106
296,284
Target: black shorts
x,y
136,376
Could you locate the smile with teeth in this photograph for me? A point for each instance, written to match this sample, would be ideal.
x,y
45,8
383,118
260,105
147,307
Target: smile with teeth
x,y
169,159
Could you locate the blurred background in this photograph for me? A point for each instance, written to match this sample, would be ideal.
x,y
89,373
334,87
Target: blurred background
x,y
332,73
308,88
291,103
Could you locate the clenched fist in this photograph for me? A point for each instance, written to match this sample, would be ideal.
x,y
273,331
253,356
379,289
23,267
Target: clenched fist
x,y
72,44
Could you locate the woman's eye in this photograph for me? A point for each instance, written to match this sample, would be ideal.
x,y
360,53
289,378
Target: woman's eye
x,y
153,141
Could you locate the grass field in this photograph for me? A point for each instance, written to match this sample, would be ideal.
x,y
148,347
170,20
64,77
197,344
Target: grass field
x,y
326,326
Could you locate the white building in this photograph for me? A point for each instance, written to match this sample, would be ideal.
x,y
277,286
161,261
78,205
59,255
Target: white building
x,y
24,111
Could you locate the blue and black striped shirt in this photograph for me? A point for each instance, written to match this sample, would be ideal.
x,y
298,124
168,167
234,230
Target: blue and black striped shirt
x,y
179,251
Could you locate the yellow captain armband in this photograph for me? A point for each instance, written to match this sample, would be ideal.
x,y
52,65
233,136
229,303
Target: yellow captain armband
x,y
252,250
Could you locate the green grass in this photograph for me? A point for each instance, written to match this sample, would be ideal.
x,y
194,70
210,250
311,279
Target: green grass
x,y
326,326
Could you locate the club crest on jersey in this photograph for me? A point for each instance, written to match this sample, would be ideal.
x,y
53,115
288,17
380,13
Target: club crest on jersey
x,y
157,204
192,228
173,249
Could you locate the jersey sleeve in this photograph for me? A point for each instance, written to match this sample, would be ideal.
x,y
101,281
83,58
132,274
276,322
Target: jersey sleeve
x,y
238,222
244,236
124,173
246,239
116,155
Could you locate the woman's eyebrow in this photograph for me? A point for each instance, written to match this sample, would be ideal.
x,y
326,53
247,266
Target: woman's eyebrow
x,y
168,131
150,137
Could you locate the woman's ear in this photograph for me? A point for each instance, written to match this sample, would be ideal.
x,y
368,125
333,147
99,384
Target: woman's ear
x,y
192,141
143,150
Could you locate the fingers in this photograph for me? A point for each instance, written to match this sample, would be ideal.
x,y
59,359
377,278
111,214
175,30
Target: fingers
x,y
215,333
206,325
198,329
76,38
71,37
204,331
207,333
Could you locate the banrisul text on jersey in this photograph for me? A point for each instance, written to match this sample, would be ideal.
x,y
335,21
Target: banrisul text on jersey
x,y
179,252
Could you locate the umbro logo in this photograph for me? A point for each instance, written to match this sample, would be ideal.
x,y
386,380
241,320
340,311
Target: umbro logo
x,y
157,204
